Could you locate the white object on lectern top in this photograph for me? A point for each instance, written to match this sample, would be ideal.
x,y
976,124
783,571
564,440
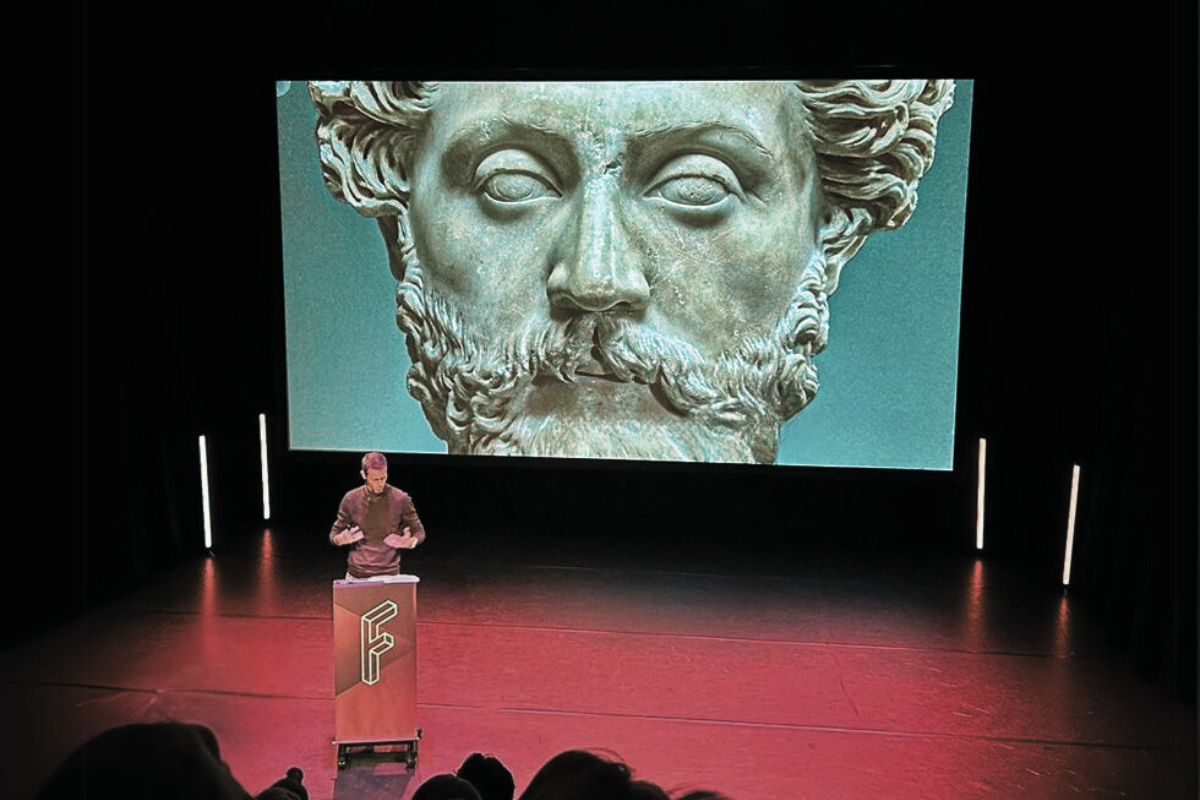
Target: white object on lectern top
x,y
381,579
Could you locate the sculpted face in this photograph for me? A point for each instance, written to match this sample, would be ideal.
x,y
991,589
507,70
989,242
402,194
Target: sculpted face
x,y
689,207
617,265
622,269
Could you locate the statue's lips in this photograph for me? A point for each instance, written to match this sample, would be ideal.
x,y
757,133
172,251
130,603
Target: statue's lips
x,y
597,375
592,368
592,393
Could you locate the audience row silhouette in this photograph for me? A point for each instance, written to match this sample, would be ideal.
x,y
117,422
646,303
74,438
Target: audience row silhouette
x,y
570,775
146,761
149,761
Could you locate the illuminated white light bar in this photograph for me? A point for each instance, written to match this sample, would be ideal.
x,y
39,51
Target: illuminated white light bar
x,y
1071,526
979,495
204,492
262,457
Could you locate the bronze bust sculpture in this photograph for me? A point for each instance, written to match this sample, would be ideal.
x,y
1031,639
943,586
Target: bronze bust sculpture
x,y
622,269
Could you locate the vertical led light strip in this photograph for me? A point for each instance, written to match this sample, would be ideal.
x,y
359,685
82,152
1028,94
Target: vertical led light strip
x,y
1071,526
262,456
979,495
204,492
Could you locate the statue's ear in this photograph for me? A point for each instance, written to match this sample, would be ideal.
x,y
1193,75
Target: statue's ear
x,y
840,237
396,237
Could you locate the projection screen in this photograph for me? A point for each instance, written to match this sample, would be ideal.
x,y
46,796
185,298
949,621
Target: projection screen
x,y
697,271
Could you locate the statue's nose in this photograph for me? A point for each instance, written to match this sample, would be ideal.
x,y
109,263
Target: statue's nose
x,y
599,270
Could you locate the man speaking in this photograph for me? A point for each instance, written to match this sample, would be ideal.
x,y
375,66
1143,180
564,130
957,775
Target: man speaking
x,y
376,521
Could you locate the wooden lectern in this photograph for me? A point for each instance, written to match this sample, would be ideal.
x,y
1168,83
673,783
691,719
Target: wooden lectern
x,y
375,666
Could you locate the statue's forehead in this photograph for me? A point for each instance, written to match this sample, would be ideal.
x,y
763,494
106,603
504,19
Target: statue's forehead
x,y
630,106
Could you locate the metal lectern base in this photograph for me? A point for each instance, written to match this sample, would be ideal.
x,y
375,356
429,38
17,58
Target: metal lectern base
x,y
404,750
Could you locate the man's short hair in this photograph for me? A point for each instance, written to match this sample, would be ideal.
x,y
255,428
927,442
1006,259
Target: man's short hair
x,y
374,461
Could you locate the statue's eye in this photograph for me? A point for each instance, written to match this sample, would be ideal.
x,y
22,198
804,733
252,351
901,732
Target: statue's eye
x,y
693,190
516,187
515,176
695,182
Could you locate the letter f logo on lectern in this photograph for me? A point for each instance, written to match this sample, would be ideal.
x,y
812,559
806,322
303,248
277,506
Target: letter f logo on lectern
x,y
375,641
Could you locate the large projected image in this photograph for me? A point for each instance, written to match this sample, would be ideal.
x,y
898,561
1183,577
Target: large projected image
x,y
626,270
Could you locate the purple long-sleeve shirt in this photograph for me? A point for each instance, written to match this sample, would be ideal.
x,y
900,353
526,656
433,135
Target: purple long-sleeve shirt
x,y
378,516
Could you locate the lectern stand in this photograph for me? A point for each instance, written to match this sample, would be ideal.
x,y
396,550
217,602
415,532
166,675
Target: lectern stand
x,y
375,667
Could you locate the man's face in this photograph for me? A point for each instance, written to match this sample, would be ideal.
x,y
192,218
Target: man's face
x,y
684,213
376,480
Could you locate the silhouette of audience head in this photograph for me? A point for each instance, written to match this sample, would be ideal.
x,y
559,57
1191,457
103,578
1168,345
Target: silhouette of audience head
x,y
289,787
489,776
584,775
446,787
146,760
276,792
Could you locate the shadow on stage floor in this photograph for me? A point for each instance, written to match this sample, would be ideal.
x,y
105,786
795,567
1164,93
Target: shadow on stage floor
x,y
886,677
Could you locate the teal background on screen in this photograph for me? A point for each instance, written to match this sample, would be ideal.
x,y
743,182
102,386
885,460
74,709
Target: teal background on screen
x,y
888,376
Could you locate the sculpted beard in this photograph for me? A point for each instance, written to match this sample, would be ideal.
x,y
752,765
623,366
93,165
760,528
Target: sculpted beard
x,y
728,409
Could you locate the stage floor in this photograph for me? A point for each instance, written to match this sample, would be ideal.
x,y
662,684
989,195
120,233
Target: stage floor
x,y
835,678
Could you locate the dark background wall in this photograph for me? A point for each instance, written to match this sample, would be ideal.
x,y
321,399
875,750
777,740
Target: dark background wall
x,y
1078,324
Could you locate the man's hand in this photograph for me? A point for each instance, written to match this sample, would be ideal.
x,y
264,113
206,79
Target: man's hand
x,y
348,536
405,542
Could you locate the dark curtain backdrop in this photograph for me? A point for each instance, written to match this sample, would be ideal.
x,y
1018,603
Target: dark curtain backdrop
x,y
1079,306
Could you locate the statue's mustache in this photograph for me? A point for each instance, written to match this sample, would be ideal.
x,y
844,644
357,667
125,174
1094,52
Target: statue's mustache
x,y
624,348
629,350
